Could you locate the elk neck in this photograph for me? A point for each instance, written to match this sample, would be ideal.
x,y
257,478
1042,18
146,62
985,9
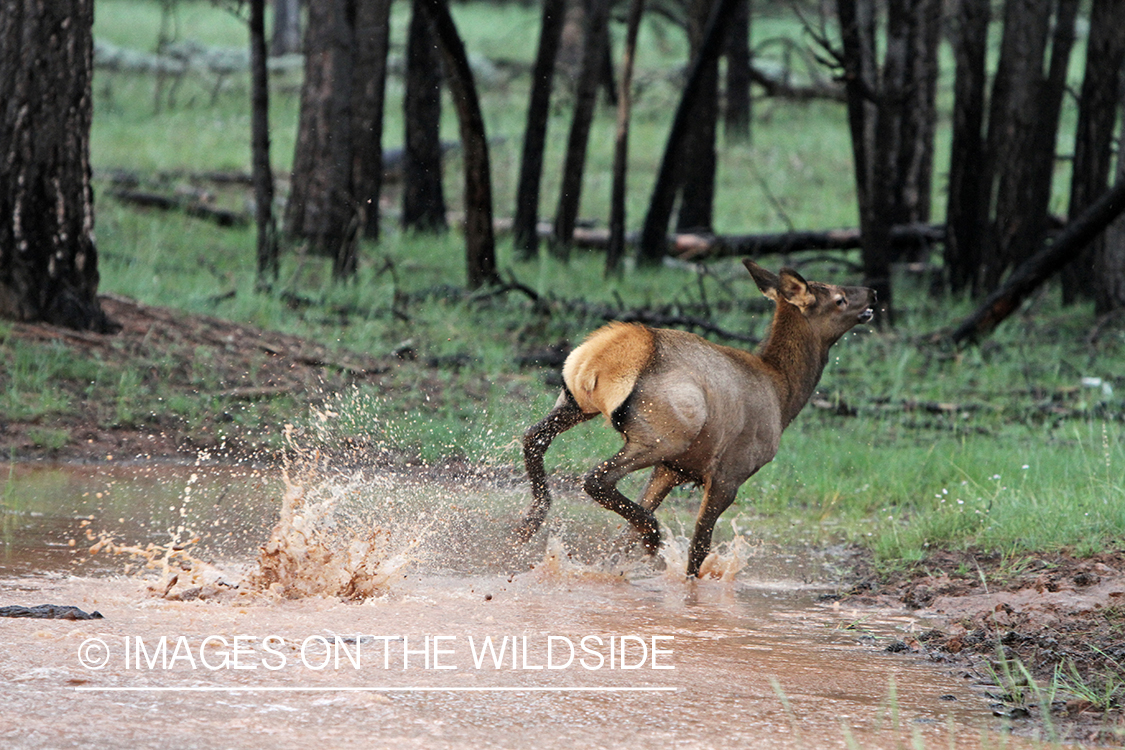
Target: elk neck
x,y
794,358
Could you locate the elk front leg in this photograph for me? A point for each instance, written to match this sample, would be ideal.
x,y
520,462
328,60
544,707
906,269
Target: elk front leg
x,y
536,440
716,499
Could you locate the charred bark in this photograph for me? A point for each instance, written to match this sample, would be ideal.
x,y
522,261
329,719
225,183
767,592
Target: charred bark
x,y
1012,146
423,198
480,244
652,244
596,29
697,171
1098,106
267,251
616,249
321,206
535,137
372,35
48,259
286,39
737,115
967,208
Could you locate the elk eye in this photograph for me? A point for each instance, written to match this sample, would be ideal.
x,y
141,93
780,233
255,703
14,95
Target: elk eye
x,y
842,302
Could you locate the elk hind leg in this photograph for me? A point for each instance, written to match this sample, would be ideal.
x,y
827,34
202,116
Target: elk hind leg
x,y
601,484
536,440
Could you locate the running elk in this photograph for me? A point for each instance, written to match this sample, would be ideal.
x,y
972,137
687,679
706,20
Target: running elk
x,y
693,410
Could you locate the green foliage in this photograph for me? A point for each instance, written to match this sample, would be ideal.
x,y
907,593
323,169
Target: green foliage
x,y
908,446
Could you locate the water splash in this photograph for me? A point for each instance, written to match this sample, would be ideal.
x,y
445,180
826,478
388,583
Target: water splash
x,y
310,552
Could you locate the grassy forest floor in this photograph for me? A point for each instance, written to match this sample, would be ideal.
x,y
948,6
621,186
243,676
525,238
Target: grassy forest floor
x,y
1002,616
983,486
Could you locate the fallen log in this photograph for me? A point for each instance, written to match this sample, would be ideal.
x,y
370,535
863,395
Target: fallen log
x,y
705,246
1051,258
221,216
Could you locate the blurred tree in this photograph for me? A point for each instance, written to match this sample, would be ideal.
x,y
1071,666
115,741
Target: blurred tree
x,y
697,168
480,244
595,35
337,164
423,200
48,259
891,115
322,208
286,39
1109,261
1022,126
525,225
373,39
262,173
654,240
1093,142
736,116
615,251
966,213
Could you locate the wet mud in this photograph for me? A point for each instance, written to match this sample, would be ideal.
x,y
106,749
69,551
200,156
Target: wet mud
x,y
367,609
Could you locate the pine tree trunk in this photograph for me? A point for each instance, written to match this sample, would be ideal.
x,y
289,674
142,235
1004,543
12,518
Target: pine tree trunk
x,y
697,188
736,119
260,148
535,137
616,248
596,28
966,212
286,38
423,197
480,243
48,260
372,35
1109,261
1012,146
653,242
1098,106
322,207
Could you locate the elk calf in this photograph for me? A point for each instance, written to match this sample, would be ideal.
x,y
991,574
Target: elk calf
x,y
693,410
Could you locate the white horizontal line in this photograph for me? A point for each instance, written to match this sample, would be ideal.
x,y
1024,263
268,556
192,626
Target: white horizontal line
x,y
375,689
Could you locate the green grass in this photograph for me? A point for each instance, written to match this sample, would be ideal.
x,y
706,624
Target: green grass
x,y
1001,447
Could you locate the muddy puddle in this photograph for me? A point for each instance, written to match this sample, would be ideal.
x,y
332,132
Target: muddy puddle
x,y
246,607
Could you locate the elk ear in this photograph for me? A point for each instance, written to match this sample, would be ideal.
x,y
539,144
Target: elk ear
x,y
767,282
795,289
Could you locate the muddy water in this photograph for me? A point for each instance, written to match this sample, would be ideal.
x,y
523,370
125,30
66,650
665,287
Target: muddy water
x,y
464,641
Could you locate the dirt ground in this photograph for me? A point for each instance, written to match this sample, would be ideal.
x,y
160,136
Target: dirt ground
x,y
1061,617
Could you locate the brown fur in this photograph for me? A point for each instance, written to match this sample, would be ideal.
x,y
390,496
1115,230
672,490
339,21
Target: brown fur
x,y
691,409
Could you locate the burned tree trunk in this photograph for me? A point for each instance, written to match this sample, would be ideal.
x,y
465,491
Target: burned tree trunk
x,y
372,43
1093,142
1109,261
1012,145
737,115
535,137
48,260
260,147
596,29
967,208
697,171
1050,258
616,249
286,38
423,198
322,207
652,243
480,243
